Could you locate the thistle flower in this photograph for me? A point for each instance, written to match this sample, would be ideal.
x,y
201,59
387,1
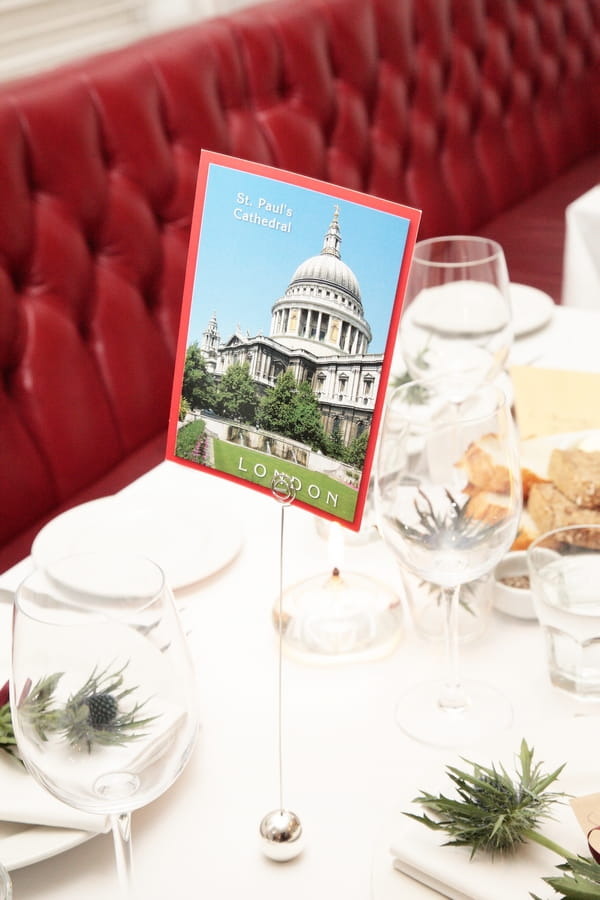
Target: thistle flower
x,y
454,525
492,813
417,394
495,814
8,741
93,716
581,881
35,704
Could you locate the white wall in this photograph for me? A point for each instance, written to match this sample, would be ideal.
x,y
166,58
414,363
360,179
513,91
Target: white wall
x,y
165,12
39,34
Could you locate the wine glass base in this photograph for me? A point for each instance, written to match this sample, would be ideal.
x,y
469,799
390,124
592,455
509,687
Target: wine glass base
x,y
420,715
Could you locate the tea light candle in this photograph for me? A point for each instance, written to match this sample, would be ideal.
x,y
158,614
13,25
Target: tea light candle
x,y
340,614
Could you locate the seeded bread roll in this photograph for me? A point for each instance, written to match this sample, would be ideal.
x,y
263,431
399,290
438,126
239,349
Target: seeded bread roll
x,y
577,474
550,508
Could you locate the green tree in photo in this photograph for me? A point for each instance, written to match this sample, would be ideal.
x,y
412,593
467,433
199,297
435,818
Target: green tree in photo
x,y
198,385
184,408
356,452
292,410
276,408
335,447
236,394
307,425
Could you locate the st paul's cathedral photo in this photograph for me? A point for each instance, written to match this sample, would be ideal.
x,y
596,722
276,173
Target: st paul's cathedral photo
x,y
319,332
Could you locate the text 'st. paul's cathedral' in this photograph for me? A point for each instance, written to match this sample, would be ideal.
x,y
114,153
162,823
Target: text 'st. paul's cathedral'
x,y
318,330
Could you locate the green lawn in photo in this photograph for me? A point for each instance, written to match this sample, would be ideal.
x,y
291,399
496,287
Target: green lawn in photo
x,y
316,489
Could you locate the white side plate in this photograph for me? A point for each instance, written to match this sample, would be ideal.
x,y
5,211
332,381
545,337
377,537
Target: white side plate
x,y
189,544
532,309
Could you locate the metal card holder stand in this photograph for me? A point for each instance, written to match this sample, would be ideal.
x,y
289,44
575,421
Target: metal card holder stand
x,y
281,833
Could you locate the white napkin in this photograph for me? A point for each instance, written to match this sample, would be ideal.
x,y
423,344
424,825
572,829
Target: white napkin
x,y
419,852
23,800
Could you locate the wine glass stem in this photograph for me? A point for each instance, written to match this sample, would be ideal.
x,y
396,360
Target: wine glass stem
x,y
452,696
121,831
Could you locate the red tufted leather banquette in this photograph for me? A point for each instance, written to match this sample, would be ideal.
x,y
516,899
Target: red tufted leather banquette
x,y
484,113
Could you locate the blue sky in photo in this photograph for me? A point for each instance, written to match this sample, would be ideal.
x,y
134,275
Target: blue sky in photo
x,y
242,267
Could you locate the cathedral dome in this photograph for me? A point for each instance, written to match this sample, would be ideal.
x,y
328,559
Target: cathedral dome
x,y
321,310
327,269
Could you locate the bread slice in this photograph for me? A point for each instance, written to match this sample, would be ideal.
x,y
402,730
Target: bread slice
x,y
527,532
492,508
482,470
528,479
487,506
576,473
550,508
485,474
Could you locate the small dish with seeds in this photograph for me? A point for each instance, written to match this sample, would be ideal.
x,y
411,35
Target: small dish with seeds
x,y
512,593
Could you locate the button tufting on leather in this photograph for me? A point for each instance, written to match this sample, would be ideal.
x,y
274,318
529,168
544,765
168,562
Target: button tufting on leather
x,y
462,108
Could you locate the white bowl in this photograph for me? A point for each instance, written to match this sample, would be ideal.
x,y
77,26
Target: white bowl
x,y
510,599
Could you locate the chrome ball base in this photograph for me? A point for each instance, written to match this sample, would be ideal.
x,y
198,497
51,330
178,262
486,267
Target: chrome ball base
x,y
281,835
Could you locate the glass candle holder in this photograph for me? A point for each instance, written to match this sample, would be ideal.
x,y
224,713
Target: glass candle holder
x,y
339,616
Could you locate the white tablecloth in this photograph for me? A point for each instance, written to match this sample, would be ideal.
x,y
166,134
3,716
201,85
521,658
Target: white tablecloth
x,y
581,274
346,761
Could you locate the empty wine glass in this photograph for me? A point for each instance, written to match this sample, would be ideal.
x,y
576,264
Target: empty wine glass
x,y
103,694
448,500
457,315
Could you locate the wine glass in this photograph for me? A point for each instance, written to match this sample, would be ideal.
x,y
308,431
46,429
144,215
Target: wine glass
x,y
457,315
103,694
448,500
